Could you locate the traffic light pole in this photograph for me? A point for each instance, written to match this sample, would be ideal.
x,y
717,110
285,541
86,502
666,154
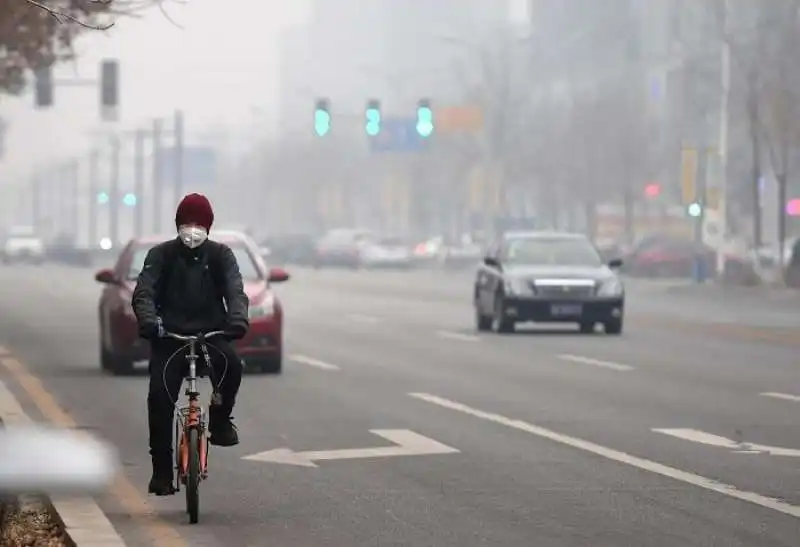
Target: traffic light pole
x,y
179,149
157,182
94,158
113,202
138,182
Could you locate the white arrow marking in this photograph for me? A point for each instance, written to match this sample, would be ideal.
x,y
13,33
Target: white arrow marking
x,y
407,443
723,442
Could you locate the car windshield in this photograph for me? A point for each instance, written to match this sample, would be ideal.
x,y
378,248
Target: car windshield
x,y
247,265
551,252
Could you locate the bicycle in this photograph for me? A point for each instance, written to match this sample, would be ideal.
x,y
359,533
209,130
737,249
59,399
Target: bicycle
x,y
191,439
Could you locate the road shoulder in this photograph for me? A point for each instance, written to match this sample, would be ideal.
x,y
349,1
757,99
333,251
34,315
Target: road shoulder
x,y
82,519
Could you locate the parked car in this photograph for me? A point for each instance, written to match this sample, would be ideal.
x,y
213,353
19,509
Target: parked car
x,y
120,346
386,253
341,247
23,245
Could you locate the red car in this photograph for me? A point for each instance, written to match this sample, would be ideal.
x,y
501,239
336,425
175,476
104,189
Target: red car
x,y
120,344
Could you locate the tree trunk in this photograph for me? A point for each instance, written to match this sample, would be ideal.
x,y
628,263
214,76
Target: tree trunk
x,y
782,191
628,203
756,172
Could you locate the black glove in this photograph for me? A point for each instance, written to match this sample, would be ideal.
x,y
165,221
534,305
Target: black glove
x,y
149,331
235,331
152,330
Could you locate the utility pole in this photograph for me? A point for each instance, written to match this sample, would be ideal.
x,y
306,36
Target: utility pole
x,y
36,202
114,199
94,158
138,182
73,170
178,156
157,172
725,71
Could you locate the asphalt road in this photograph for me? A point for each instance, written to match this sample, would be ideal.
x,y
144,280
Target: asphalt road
x,y
551,438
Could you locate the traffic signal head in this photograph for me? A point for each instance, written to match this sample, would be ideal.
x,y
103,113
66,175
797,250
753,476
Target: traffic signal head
x,y
652,190
102,198
695,209
43,80
322,118
129,200
424,118
373,117
109,83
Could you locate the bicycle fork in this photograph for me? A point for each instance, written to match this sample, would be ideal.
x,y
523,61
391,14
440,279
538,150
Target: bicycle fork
x,y
191,417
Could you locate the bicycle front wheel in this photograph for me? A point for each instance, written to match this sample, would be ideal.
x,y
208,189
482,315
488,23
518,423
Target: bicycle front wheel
x,y
193,476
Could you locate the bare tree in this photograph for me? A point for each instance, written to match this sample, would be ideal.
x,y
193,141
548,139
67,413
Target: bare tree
x,y
777,90
37,33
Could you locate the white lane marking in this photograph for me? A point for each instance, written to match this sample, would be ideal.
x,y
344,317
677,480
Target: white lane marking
x,y
359,318
594,362
310,361
406,443
617,456
739,447
782,396
460,336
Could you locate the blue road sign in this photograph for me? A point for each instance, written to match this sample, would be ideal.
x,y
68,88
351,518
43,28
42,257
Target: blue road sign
x,y
397,135
199,166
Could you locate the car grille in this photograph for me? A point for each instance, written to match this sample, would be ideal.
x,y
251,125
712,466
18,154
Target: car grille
x,y
563,291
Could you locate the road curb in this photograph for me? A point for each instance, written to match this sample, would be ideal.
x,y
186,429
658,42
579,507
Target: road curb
x,y
83,522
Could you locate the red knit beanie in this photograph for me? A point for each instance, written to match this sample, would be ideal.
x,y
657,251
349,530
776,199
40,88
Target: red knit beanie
x,y
195,209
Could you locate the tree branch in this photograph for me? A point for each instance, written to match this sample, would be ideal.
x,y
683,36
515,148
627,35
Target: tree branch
x,y
63,16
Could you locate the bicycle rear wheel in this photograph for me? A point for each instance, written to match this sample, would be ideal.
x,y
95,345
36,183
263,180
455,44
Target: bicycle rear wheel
x,y
193,476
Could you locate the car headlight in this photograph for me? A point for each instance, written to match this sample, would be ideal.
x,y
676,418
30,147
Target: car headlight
x,y
611,287
517,286
265,308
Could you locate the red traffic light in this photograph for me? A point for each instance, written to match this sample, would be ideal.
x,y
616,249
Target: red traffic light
x,y
652,190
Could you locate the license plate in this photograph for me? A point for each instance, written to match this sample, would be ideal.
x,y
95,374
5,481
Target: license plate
x,y
566,310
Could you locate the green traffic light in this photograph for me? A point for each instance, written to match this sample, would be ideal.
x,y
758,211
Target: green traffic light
x,y
322,122
424,121
102,198
695,209
373,126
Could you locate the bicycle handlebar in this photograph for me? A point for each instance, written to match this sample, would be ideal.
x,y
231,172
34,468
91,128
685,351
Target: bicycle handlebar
x,y
193,338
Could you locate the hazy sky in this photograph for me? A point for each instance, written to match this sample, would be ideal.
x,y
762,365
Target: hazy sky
x,y
220,67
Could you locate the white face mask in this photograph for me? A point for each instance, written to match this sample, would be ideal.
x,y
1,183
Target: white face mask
x,y
192,236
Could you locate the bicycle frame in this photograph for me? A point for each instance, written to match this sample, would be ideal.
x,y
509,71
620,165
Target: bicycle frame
x,y
191,416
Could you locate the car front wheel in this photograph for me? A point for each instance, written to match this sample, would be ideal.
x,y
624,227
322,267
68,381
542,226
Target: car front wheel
x,y
500,322
614,326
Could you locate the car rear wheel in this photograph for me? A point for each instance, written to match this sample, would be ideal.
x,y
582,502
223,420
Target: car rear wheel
x,y
614,326
272,364
120,364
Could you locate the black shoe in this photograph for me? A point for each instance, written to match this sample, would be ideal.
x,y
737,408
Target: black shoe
x,y
223,432
161,484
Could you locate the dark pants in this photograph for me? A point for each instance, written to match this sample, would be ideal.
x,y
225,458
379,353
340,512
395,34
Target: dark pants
x,y
165,389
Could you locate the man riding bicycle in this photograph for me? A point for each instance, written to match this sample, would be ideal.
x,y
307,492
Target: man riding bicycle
x,y
189,285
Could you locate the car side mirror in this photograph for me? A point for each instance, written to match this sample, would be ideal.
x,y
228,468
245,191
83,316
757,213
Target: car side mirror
x,y
106,277
492,262
615,263
277,275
